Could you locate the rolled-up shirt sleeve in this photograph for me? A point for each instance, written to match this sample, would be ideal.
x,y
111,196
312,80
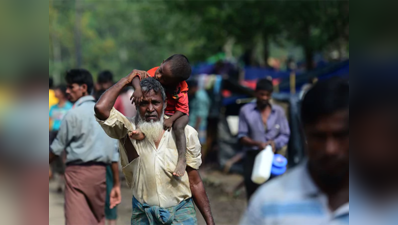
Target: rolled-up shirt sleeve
x,y
193,154
117,125
65,134
243,129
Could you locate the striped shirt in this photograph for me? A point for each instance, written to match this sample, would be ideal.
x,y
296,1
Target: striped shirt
x,y
293,199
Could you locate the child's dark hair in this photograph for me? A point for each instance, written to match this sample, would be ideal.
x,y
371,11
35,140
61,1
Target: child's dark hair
x,y
179,66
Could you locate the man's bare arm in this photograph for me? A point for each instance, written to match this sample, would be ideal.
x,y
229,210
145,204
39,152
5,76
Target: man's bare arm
x,y
199,195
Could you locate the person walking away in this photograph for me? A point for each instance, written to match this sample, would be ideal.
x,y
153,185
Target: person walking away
x,y
89,150
57,113
260,124
317,190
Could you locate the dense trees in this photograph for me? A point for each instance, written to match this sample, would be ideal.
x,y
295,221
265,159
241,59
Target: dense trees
x,y
123,35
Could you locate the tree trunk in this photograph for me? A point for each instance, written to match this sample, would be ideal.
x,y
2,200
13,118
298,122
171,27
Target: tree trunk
x,y
78,49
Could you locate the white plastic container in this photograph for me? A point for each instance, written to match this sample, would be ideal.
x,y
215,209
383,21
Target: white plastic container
x,y
262,165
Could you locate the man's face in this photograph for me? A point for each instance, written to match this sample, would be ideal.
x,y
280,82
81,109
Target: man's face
x,y
151,107
75,91
328,145
263,98
164,76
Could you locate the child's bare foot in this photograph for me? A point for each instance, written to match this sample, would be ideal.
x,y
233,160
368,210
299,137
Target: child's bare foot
x,y
137,135
180,168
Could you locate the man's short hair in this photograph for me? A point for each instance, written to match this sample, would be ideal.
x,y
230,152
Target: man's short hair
x,y
324,98
105,77
152,84
265,85
179,66
80,76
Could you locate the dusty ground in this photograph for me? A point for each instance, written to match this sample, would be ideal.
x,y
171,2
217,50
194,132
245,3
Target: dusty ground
x,y
227,210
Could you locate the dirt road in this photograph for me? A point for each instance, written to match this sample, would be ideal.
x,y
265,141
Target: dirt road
x,y
226,210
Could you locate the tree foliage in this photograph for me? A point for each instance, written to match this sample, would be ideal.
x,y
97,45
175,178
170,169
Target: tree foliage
x,y
124,35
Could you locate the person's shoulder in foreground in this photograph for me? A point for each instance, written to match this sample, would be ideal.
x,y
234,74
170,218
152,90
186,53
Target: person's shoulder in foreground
x,y
289,199
265,205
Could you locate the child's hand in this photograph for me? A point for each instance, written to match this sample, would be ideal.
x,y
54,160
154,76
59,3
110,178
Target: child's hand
x,y
142,74
137,135
167,124
136,97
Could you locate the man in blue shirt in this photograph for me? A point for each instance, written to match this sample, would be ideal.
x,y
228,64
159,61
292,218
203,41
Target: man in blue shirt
x,y
89,150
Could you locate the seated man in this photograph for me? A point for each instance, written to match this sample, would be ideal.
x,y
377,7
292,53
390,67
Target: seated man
x,y
158,196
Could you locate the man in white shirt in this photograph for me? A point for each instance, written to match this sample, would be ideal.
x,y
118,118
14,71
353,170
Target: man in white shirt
x,y
148,165
316,191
